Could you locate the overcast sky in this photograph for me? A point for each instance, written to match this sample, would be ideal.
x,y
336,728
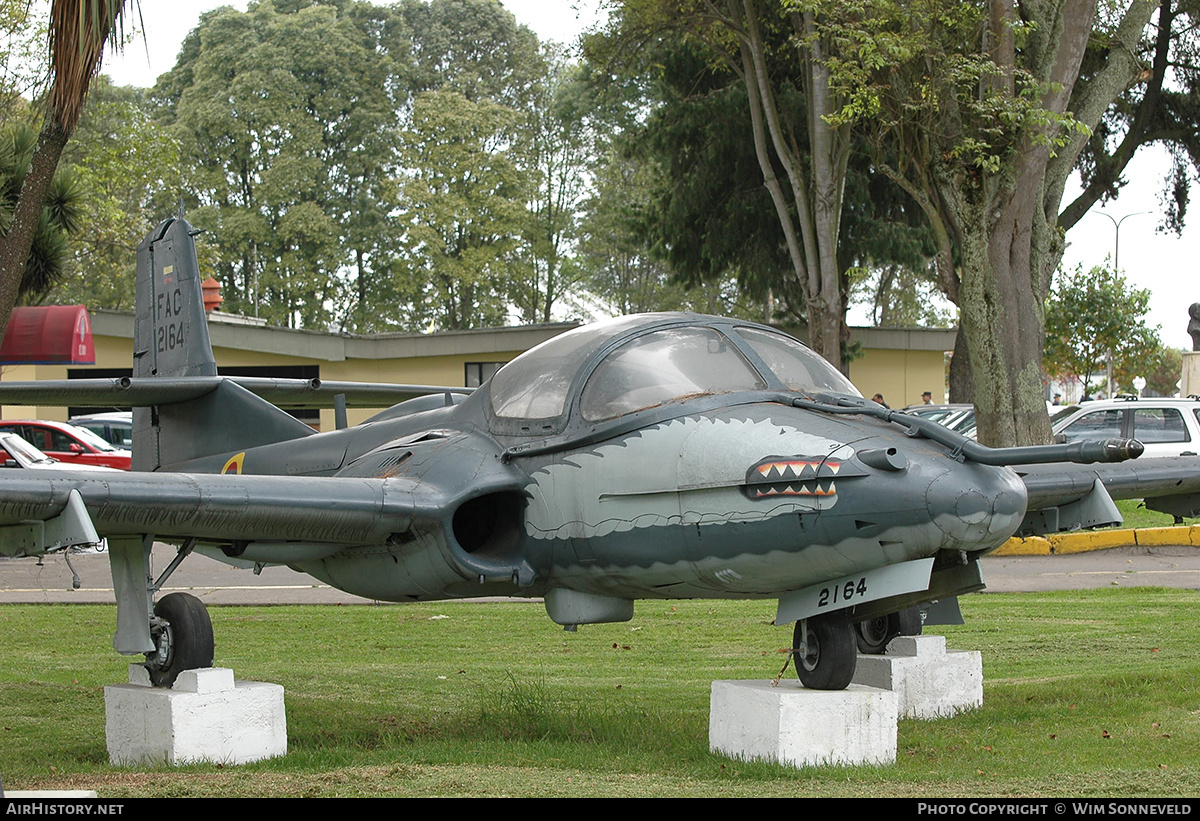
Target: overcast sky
x,y
1161,263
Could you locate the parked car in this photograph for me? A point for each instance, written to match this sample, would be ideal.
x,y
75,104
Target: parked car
x,y
956,417
15,452
114,427
1167,427
69,444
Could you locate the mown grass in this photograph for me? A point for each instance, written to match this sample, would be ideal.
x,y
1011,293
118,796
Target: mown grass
x,y
1135,514
1087,693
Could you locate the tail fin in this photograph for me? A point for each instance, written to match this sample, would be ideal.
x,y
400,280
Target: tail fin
x,y
171,340
171,335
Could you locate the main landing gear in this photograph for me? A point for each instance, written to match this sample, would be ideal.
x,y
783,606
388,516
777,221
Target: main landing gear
x,y
175,634
183,638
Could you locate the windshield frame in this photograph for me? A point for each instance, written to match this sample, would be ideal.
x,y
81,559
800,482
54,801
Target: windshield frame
x,y
609,336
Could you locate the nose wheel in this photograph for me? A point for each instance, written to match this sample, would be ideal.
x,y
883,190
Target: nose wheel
x,y
183,638
874,634
825,651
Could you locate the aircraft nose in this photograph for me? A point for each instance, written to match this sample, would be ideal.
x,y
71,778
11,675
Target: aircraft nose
x,y
977,505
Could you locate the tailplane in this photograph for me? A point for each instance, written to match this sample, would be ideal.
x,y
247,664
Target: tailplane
x,y
171,341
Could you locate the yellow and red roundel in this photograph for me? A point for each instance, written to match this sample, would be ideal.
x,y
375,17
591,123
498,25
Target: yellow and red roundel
x,y
234,465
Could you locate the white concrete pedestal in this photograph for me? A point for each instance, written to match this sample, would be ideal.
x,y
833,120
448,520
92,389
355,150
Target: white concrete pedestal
x,y
206,716
929,681
795,725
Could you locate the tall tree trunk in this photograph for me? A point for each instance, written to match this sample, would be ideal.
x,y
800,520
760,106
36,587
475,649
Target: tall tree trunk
x,y
1002,317
14,246
962,386
809,206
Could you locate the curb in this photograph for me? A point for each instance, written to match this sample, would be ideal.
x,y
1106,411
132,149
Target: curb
x,y
1084,541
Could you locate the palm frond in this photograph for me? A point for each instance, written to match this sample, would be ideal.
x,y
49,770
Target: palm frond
x,y
78,32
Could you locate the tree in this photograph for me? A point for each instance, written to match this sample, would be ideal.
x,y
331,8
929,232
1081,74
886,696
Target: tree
x,y
980,110
79,30
131,169
1094,318
287,149
616,265
24,61
1161,107
1163,372
462,207
50,253
554,147
802,160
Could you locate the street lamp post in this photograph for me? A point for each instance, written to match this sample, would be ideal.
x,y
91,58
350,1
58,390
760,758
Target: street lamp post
x,y
1116,269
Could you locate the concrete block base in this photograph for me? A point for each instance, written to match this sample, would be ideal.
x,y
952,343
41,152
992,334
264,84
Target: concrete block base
x,y
795,725
929,681
206,716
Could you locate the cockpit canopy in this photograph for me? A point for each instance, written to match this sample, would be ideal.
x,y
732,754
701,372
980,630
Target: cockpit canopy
x,y
632,363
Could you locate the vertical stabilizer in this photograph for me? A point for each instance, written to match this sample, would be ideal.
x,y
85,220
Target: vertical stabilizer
x,y
171,340
171,335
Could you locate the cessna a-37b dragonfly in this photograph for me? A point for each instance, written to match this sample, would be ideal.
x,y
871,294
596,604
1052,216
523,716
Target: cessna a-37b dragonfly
x,y
669,456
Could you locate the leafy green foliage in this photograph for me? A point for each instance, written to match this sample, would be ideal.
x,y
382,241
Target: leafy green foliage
x,y
50,254
1093,315
463,200
286,182
130,167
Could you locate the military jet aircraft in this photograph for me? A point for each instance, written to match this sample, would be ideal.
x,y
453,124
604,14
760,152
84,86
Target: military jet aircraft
x,y
665,456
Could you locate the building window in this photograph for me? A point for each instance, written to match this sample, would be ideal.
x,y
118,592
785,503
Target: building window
x,y
480,372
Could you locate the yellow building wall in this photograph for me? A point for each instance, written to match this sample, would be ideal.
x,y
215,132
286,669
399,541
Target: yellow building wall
x,y
31,373
900,376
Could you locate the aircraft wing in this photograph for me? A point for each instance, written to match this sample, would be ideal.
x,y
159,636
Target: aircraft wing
x,y
285,393
1065,496
277,513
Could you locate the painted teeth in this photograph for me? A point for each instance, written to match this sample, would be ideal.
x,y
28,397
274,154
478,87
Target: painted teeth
x,y
796,469
807,489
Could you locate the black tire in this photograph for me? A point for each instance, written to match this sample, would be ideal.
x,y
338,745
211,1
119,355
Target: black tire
x,y
831,655
873,635
909,622
185,641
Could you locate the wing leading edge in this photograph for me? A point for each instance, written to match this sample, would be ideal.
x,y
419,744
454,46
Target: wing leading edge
x,y
1066,497
228,509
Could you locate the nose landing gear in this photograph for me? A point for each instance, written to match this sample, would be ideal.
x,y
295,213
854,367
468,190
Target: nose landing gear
x,y
874,634
825,652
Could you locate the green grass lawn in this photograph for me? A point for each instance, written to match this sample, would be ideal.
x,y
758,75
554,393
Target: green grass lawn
x,y
1136,515
1088,693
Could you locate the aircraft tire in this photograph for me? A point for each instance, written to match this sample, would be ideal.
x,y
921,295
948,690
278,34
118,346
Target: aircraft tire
x,y
832,653
187,635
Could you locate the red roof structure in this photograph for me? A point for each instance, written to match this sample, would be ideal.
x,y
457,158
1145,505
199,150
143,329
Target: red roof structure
x,y
48,335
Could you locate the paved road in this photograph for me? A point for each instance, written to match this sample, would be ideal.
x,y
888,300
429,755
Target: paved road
x,y
24,580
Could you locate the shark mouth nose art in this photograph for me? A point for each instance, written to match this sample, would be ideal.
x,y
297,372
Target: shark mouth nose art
x,y
797,476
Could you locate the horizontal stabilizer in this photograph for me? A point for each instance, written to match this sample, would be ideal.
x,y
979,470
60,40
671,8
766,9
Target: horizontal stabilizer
x,y
144,392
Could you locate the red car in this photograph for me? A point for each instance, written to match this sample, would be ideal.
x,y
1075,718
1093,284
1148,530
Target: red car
x,y
69,444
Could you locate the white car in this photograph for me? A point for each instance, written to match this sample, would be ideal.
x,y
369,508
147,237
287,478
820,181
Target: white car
x,y
1167,427
15,452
